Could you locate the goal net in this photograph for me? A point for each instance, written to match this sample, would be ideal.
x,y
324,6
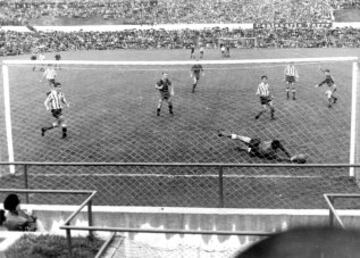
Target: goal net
x,y
112,118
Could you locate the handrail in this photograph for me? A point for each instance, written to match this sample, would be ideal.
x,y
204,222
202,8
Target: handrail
x,y
330,199
332,212
68,220
180,164
46,191
170,231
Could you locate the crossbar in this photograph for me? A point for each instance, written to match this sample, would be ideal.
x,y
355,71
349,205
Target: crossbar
x,y
180,62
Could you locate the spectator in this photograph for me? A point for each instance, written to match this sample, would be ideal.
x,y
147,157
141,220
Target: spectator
x,y
17,219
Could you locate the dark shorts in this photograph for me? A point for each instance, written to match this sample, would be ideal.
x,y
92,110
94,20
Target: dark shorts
x,y
165,95
265,100
254,146
290,79
56,112
33,58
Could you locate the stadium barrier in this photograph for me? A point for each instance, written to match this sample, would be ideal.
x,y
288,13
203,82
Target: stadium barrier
x,y
66,225
333,214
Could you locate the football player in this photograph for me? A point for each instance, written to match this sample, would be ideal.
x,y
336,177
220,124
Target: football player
x,y
196,71
265,98
166,91
268,149
329,81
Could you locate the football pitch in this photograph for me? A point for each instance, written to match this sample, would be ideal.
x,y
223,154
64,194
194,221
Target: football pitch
x,y
112,118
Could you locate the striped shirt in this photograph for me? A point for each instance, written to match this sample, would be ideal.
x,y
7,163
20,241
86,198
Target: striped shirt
x,y
49,73
263,90
290,70
55,100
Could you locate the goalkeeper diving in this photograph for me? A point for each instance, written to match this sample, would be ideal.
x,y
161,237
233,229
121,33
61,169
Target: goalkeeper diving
x,y
269,149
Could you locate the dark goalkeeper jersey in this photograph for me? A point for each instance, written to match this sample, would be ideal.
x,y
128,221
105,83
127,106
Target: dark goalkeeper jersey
x,y
196,69
329,81
165,85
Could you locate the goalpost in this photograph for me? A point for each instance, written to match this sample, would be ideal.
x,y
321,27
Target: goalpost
x,y
355,126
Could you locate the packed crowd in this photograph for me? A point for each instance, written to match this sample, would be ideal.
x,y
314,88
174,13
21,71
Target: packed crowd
x,y
13,43
73,12
346,4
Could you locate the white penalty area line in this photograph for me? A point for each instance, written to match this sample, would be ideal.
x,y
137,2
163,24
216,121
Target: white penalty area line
x,y
169,176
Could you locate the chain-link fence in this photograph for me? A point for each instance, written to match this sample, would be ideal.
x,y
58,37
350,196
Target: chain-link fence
x,y
189,185
112,118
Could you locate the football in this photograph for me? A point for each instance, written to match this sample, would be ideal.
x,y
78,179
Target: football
x,y
299,158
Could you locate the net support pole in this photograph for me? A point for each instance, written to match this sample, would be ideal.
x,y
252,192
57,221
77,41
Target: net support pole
x,y
6,89
355,69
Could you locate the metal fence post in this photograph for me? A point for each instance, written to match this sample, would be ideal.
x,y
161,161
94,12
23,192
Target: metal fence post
x,y
68,239
221,187
26,183
90,218
331,214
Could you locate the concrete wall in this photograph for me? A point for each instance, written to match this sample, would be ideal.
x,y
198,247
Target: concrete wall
x,y
51,217
190,218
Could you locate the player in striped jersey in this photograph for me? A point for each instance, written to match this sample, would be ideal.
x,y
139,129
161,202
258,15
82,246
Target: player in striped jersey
x,y
50,75
291,76
329,81
201,52
54,102
262,149
265,97
166,91
196,71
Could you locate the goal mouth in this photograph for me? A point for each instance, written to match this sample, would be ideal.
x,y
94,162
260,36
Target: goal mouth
x,y
214,69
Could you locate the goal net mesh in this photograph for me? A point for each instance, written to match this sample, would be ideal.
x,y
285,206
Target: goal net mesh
x,y
112,118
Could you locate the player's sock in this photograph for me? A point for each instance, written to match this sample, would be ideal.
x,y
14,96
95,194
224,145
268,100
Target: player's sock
x,y
193,88
329,103
259,114
335,99
44,129
287,94
64,132
272,111
220,133
171,109
158,112
294,97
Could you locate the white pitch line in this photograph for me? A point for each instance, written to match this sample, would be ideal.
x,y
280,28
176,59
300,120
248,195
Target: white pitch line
x,y
170,176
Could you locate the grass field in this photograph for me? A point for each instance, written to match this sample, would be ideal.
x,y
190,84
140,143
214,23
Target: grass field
x,y
112,118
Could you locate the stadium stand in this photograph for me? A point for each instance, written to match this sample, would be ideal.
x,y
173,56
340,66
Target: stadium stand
x,y
15,43
70,12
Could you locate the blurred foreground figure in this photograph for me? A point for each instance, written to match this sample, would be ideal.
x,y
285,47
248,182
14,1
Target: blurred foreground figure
x,y
307,242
